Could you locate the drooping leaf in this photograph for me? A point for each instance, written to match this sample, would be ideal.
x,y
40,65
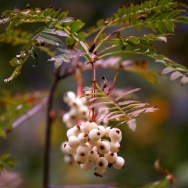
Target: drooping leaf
x,y
50,39
168,70
116,109
175,75
6,161
184,80
182,19
65,57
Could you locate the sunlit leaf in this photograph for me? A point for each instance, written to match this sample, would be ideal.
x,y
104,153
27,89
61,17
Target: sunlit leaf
x,y
184,80
132,124
168,70
175,75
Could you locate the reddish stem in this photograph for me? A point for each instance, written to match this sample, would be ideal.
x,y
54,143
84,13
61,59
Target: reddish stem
x,y
93,89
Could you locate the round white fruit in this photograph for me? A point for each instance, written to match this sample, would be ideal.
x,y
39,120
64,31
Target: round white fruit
x,y
111,157
102,130
86,166
73,141
93,155
85,127
103,147
69,97
115,135
82,138
80,159
119,164
114,147
98,171
102,162
94,135
82,150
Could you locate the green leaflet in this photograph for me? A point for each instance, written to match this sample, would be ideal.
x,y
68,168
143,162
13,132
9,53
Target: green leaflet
x,y
6,161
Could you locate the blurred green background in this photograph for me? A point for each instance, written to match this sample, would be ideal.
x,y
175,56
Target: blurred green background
x,y
162,135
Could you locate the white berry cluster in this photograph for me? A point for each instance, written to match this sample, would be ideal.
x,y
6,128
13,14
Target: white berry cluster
x,y
78,109
91,143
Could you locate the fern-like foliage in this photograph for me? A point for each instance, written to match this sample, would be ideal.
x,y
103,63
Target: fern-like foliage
x,y
116,63
116,109
57,25
143,46
158,15
18,37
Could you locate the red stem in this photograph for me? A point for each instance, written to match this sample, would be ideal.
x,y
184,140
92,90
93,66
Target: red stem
x,y
93,89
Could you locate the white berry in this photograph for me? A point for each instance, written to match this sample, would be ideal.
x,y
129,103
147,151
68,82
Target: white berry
x,y
103,147
94,134
80,159
114,147
98,171
70,132
63,145
85,127
86,166
94,125
102,130
76,130
111,157
115,135
82,138
102,162
69,97
69,149
82,150
107,131
73,141
93,156
119,164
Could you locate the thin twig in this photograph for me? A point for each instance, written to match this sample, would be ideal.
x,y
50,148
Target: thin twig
x,y
48,130
58,77
93,89
30,113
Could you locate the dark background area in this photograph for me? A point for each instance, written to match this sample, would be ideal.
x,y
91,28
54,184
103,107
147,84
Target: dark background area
x,y
162,135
